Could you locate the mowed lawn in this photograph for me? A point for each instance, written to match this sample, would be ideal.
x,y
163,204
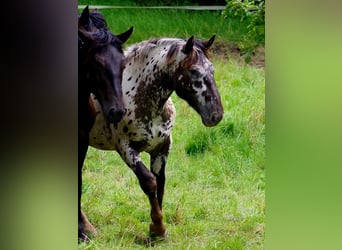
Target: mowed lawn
x,y
215,177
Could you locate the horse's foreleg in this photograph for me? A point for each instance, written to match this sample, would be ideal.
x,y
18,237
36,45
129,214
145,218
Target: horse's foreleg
x,y
84,226
148,184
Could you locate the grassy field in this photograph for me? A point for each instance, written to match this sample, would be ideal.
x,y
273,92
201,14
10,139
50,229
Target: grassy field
x,y
215,177
173,23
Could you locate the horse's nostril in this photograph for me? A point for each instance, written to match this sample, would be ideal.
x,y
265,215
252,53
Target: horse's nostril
x,y
216,117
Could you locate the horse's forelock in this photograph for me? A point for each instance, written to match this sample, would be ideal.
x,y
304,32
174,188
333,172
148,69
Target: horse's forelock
x,y
200,45
191,59
104,37
98,20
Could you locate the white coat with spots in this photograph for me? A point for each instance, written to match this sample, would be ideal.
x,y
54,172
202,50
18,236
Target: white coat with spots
x,y
153,70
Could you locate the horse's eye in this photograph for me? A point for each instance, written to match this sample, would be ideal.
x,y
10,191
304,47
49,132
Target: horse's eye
x,y
194,72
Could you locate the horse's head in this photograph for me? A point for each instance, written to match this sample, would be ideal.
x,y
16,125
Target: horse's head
x,y
101,58
194,81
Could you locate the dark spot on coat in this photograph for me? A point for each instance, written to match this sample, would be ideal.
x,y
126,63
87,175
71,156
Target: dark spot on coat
x,y
129,79
138,145
125,129
198,84
130,122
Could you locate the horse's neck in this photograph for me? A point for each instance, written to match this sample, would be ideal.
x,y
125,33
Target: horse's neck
x,y
154,80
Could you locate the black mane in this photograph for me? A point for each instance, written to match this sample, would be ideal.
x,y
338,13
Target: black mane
x,y
98,20
102,36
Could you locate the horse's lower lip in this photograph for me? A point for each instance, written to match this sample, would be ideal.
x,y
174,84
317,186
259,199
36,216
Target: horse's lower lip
x,y
210,122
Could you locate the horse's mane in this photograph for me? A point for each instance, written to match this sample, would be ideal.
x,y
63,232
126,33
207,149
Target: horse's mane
x,y
102,35
98,20
143,49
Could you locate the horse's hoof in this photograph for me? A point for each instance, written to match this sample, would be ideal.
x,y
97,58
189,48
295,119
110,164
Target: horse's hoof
x,y
85,235
85,229
158,232
159,236
82,237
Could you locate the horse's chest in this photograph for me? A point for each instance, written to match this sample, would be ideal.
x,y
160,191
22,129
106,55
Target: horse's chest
x,y
145,136
144,133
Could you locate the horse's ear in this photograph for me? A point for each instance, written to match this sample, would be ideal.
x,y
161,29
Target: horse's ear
x,y
188,46
207,44
84,18
123,37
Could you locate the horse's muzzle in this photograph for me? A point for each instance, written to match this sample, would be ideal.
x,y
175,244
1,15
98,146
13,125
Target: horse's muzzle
x,y
213,119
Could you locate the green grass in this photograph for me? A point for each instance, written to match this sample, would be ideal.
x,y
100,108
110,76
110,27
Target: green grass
x,y
215,177
150,23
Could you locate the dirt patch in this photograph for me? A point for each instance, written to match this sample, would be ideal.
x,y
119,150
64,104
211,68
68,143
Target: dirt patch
x,y
229,51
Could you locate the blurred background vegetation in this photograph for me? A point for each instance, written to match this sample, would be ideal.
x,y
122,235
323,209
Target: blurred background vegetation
x,y
246,17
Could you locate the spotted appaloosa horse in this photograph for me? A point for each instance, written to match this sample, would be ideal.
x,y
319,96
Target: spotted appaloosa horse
x,y
154,69
100,66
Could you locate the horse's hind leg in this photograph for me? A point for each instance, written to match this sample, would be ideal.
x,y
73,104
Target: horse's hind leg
x,y
158,164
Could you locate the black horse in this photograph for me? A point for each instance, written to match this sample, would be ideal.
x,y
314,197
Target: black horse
x,y
100,66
